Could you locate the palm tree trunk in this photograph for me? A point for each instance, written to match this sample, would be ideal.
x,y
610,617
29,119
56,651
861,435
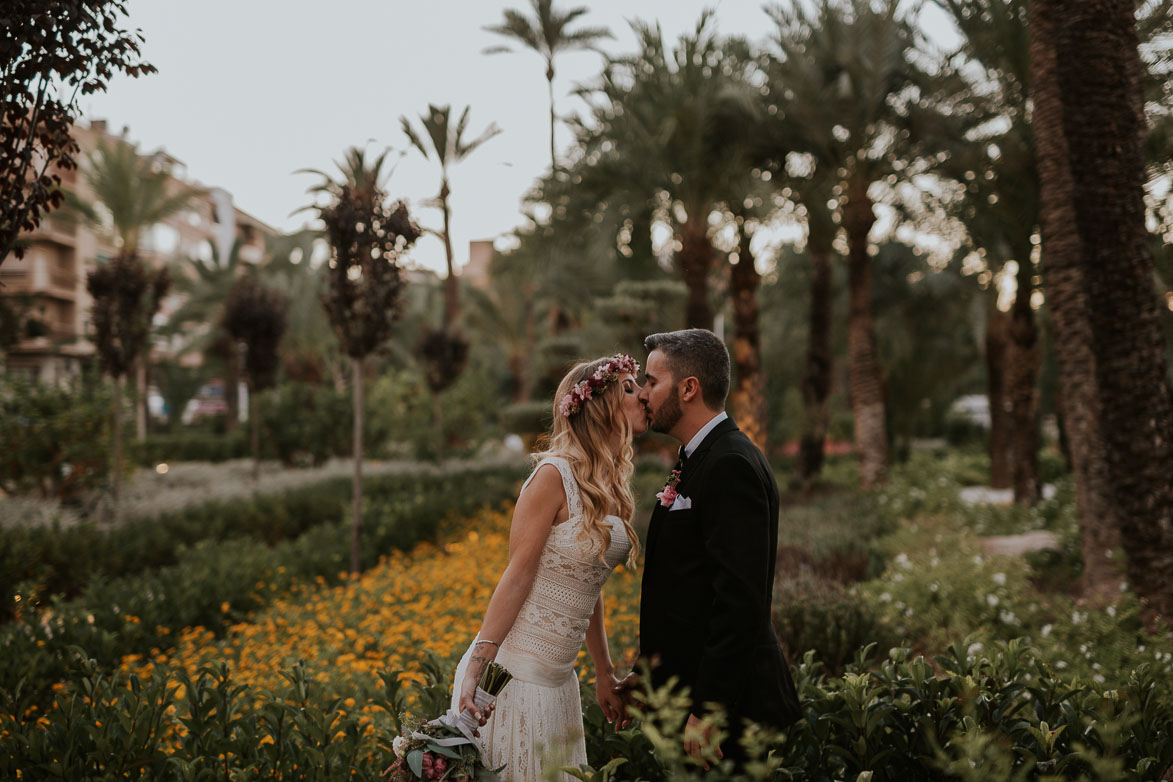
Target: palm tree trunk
x,y
116,467
1023,361
451,302
255,423
867,383
816,373
749,395
694,261
140,396
997,335
356,488
553,116
1068,305
438,424
1096,86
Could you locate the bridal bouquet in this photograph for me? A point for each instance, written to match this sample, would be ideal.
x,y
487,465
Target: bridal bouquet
x,y
446,747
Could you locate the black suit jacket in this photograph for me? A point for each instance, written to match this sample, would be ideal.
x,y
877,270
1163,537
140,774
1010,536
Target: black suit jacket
x,y
708,585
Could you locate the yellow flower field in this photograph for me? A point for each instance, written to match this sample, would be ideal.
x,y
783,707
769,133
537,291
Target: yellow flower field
x,y
429,599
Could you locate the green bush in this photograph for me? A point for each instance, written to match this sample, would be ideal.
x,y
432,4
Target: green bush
x,y
136,613
303,424
813,614
527,418
998,716
46,561
56,438
195,446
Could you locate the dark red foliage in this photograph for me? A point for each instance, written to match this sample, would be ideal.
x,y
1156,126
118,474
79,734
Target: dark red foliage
x,y
126,297
52,52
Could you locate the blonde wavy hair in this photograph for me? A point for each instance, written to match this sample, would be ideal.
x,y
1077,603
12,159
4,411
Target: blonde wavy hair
x,y
584,441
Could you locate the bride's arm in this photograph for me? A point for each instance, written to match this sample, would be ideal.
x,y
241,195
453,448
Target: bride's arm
x,y
605,679
537,508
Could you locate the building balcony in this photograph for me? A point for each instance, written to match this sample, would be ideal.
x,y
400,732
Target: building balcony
x,y
56,230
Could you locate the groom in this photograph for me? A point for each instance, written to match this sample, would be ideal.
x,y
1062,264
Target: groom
x,y
709,566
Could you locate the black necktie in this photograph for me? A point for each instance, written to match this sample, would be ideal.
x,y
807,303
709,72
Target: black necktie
x,y
682,457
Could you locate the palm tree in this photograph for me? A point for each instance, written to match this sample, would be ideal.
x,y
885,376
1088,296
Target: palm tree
x,y
671,127
546,33
996,167
135,192
844,83
255,316
1100,273
368,238
126,297
205,285
447,144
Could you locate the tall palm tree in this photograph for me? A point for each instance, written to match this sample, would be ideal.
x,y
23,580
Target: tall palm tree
x,y
1087,79
671,126
135,192
844,79
996,167
446,143
368,239
547,33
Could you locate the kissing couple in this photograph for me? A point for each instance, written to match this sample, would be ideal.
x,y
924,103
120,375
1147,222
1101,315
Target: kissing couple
x,y
708,569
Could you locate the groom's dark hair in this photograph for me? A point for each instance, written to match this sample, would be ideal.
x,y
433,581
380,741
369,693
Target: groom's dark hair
x,y
696,353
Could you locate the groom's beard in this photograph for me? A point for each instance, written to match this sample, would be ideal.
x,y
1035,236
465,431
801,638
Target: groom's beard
x,y
668,414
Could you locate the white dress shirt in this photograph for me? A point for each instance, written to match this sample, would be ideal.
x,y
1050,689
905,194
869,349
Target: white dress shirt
x,y
704,430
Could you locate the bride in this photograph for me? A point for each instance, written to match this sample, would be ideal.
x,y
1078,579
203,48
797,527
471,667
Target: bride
x,y
570,529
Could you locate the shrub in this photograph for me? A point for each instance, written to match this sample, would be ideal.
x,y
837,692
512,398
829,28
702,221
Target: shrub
x,y
527,418
134,614
1002,715
196,446
46,561
56,439
813,614
304,424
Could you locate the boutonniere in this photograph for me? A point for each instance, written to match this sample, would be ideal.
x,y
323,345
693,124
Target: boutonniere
x,y
668,495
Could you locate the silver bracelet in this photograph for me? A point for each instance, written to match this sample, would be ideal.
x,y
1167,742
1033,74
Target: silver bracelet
x,y
486,641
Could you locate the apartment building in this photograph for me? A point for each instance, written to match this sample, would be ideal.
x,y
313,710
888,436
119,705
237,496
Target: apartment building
x,y
49,283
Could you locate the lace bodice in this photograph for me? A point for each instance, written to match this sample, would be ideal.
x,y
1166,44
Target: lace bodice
x,y
553,620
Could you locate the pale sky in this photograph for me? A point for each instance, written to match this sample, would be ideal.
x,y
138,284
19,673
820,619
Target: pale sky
x,y
249,91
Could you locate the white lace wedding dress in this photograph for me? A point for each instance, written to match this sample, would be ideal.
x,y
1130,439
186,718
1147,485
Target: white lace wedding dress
x,y
537,724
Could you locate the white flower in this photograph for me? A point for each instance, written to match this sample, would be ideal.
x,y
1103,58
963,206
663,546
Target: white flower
x,y
1008,617
897,577
999,578
902,560
1060,665
973,649
977,559
399,745
1047,630
933,587
1111,610
992,600
885,597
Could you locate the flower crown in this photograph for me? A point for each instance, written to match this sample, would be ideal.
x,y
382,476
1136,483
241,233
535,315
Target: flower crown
x,y
617,366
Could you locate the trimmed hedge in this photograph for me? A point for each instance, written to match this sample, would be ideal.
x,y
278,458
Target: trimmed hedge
x,y
42,562
216,582
191,447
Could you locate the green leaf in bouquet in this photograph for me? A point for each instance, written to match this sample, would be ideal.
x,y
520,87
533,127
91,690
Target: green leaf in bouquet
x,y
447,752
415,761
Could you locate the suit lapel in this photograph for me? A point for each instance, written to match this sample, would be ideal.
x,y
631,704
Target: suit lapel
x,y
691,468
693,465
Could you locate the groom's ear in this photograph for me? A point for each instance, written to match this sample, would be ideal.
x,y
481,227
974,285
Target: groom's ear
x,y
690,388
